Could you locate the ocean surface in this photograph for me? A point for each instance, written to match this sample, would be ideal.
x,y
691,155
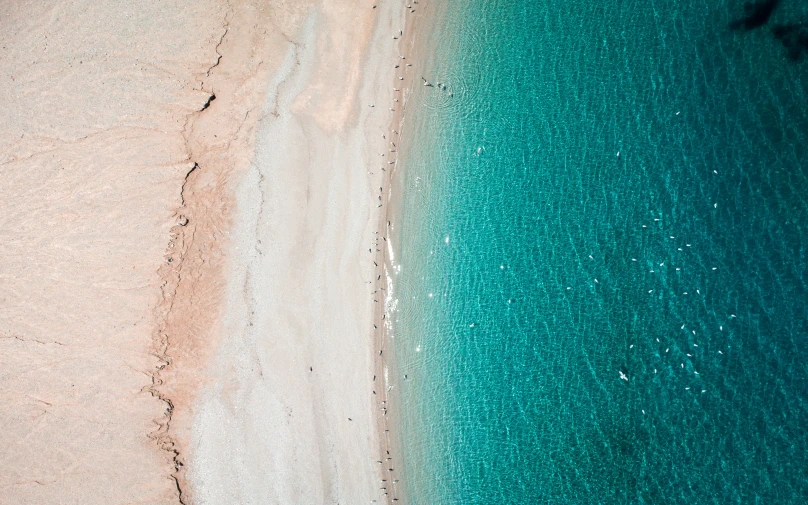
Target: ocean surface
x,y
603,255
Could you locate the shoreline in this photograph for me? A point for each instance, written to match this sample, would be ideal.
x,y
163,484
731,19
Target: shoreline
x,y
388,368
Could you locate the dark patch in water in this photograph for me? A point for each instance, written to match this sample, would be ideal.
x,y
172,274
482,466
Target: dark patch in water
x,y
757,15
794,38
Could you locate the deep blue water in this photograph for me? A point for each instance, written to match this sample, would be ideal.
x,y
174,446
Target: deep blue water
x,y
538,265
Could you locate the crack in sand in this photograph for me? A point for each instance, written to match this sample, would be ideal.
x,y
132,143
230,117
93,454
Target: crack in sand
x,y
221,39
182,235
22,339
183,220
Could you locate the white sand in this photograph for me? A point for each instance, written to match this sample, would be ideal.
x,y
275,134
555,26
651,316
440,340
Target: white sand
x,y
296,357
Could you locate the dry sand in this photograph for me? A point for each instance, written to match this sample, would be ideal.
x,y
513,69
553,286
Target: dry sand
x,y
185,218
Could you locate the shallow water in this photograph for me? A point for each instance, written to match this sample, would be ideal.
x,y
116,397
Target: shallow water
x,y
538,264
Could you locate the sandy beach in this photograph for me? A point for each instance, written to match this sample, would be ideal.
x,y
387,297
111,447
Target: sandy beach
x,y
192,228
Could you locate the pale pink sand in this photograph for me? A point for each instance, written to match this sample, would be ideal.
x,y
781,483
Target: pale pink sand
x,y
102,123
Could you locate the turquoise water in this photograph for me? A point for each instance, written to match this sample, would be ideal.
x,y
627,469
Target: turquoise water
x,y
538,265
